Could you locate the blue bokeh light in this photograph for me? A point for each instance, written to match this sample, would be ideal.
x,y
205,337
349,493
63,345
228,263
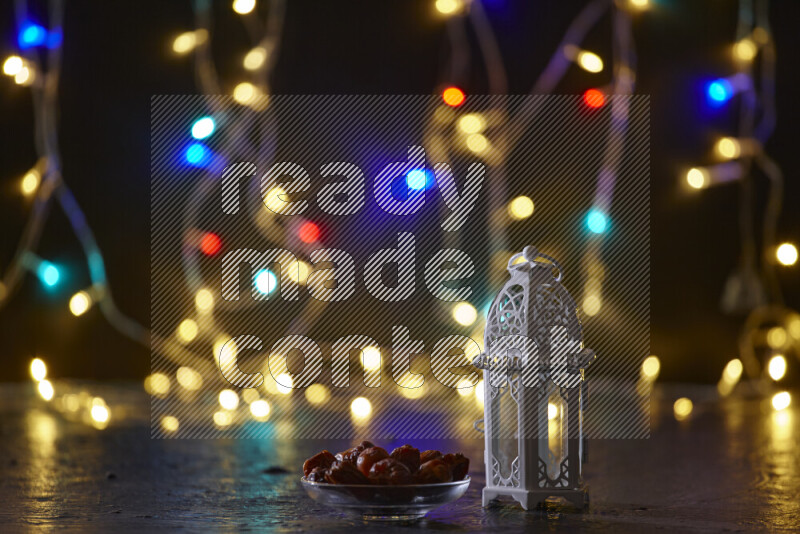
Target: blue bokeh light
x,y
48,273
54,38
265,281
31,35
597,221
719,91
197,154
417,179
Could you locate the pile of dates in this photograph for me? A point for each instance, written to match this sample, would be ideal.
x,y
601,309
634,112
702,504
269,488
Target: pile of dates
x,y
368,464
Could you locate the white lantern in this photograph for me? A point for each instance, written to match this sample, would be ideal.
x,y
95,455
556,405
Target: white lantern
x,y
534,389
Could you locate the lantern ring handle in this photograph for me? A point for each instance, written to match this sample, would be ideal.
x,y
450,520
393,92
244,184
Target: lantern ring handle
x,y
476,426
530,254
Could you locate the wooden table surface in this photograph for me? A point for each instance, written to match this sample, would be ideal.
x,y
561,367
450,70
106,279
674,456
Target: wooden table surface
x,y
733,466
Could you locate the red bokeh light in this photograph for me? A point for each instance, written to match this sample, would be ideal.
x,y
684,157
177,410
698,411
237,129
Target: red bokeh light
x,y
309,232
453,96
210,244
594,98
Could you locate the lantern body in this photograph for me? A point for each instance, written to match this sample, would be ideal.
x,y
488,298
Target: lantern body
x,y
534,389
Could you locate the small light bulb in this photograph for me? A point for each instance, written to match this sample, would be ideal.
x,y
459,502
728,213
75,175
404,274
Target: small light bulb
x,y
361,408
471,123
38,369
187,41
157,384
465,313
284,383
100,413
745,50
786,254
782,400
13,65
188,378
683,408
589,61
448,7
733,371
255,58
371,358
25,76
80,303
228,399
243,7
651,366
204,301
697,178
777,367
46,390
187,330
203,127
170,423
259,409
592,305
520,208
729,148
453,96
30,182
477,143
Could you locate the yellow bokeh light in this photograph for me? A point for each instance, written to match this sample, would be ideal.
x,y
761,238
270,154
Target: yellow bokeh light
x,y
317,394
697,178
187,41
100,412
189,378
786,254
46,390
471,123
274,200
520,208
552,411
243,7
187,330
30,182
38,369
259,409
479,393
651,366
728,148
228,399
464,387
250,395
592,305
284,383
25,76
733,371
589,61
255,58
448,7
639,4
371,358
683,408
777,367
465,313
246,93
411,386
782,400
170,423
157,384
298,271
80,303
477,143
776,337
361,408
204,301
223,419
745,50
13,65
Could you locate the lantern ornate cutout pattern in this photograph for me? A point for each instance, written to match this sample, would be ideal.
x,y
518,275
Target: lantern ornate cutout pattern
x,y
534,388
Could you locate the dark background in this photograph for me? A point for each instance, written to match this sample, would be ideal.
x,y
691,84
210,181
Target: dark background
x,y
116,55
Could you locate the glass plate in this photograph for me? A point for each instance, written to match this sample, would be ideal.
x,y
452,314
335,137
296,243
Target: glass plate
x,y
386,503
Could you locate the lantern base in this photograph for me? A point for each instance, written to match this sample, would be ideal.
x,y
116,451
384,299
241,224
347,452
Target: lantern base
x,y
578,497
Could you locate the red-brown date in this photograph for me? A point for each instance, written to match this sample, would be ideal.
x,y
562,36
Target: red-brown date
x,y
323,459
389,472
369,457
351,455
434,472
459,465
345,473
317,474
408,456
427,456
